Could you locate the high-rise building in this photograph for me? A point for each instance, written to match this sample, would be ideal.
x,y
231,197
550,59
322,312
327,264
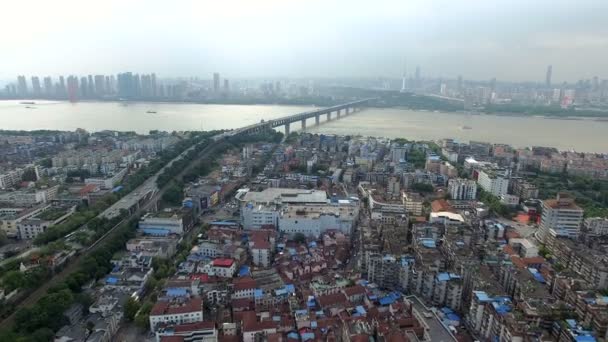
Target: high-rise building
x,y
21,86
62,89
459,84
99,85
36,89
125,85
226,86
548,76
560,217
90,86
108,85
84,87
136,85
404,78
216,82
418,80
48,86
154,86
495,181
462,189
72,87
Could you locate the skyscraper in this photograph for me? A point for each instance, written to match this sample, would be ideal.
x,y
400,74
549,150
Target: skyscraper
x,y
84,87
459,83
216,82
154,87
61,89
226,86
48,86
72,88
36,86
549,74
404,80
99,85
91,86
125,85
21,86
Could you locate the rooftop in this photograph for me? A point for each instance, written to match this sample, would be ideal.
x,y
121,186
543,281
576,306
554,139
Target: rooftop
x,y
281,195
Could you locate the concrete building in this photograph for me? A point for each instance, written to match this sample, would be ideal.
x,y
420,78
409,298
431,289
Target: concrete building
x,y
162,224
596,225
494,181
313,220
389,272
462,189
107,182
561,217
262,208
413,203
11,178
178,310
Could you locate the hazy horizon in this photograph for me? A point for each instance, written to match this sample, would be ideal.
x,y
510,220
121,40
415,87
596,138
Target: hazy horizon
x,y
509,40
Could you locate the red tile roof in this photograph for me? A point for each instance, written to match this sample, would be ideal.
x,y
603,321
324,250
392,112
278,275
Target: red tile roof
x,y
194,326
168,308
244,283
223,262
354,290
332,299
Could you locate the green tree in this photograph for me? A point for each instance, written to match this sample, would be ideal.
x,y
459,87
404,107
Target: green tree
x,y
131,308
299,238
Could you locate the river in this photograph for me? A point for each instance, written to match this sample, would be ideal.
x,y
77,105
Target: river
x,y
585,135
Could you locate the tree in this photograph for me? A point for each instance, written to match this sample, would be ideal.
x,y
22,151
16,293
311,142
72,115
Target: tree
x,y
299,238
13,280
29,175
131,308
90,326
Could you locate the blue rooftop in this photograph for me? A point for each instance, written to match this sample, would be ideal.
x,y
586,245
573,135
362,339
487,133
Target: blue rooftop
x,y
176,292
156,231
111,280
360,310
258,293
244,271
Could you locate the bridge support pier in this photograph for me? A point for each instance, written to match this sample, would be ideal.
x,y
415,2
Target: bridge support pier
x,y
339,113
317,119
303,124
287,129
328,116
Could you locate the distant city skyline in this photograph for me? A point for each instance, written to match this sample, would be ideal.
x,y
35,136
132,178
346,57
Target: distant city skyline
x,y
508,40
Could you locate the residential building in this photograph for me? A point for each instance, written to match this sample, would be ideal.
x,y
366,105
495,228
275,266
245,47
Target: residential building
x,y
462,189
494,181
179,310
561,217
413,203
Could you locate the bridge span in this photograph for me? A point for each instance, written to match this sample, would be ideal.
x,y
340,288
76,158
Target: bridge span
x,y
340,111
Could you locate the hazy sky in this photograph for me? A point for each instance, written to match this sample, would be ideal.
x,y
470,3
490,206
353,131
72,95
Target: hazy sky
x,y
507,39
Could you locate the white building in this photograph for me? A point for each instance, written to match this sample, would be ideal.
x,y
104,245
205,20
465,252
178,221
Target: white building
x,y
462,189
262,208
221,267
108,182
524,247
313,220
560,217
163,223
596,225
509,200
495,182
260,252
176,311
11,178
413,203
446,217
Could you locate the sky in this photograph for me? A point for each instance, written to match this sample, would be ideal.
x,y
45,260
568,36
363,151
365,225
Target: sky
x,y
512,40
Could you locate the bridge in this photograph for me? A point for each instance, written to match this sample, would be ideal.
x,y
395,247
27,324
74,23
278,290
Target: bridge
x,y
340,110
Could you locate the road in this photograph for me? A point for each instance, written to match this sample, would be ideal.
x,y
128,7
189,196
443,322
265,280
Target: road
x,y
73,264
